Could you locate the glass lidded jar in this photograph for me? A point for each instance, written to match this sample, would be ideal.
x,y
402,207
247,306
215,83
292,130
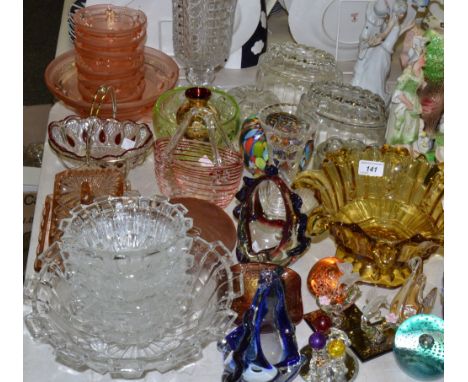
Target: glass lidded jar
x,y
341,115
288,69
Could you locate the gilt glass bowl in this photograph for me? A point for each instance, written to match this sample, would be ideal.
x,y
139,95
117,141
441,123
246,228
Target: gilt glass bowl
x,y
90,328
381,205
111,142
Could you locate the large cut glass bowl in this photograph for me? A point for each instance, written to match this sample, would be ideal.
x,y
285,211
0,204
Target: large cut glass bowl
x,y
381,205
123,337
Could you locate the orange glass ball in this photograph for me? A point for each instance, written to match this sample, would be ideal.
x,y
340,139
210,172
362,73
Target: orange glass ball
x,y
324,280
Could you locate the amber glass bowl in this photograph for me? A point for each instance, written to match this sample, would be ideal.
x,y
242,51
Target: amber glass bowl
x,y
378,222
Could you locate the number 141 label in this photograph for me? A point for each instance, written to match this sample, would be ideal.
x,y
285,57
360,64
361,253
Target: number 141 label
x,y
371,168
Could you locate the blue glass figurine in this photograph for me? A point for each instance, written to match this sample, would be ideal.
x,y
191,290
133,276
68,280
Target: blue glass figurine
x,y
244,358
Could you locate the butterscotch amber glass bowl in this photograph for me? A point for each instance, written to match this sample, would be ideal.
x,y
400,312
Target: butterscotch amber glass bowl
x,y
378,222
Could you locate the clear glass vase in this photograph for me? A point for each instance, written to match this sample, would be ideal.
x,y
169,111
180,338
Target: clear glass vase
x,y
202,33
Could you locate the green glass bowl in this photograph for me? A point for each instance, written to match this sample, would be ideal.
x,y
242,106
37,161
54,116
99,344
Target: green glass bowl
x,y
165,110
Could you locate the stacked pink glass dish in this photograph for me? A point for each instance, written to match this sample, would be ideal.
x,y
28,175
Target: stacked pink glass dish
x,y
109,49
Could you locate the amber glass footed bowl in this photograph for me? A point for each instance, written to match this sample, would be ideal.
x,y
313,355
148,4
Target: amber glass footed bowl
x,y
378,222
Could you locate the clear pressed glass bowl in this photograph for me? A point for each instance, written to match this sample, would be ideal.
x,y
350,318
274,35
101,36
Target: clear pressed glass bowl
x,y
108,336
341,114
124,234
379,222
288,69
118,143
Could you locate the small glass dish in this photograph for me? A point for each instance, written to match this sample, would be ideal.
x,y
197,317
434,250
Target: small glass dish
x,y
116,143
288,69
381,205
119,337
165,111
109,20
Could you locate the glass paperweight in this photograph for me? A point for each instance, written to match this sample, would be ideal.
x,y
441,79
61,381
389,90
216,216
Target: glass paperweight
x,y
333,285
340,111
410,300
263,234
419,346
252,355
287,70
251,100
253,146
113,143
286,135
251,277
381,205
174,104
159,324
202,34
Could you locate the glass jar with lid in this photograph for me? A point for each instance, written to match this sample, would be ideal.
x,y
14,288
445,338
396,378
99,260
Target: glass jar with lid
x,y
341,115
288,69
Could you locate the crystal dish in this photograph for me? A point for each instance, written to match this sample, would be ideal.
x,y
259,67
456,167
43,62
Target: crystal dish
x,y
126,290
120,143
161,74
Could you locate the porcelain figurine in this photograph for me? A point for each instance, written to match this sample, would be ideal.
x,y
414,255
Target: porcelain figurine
x,y
244,358
404,121
377,40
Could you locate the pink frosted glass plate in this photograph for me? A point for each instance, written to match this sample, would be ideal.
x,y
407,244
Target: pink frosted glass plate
x,y
161,74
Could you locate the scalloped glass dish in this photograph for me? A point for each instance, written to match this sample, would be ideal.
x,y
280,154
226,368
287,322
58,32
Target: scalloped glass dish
x,y
379,221
119,143
161,74
127,340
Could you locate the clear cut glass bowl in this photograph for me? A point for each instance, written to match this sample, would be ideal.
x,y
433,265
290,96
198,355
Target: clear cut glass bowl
x,y
84,333
124,235
288,69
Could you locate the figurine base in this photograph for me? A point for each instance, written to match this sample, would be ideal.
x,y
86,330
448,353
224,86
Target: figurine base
x,y
350,361
368,275
360,344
